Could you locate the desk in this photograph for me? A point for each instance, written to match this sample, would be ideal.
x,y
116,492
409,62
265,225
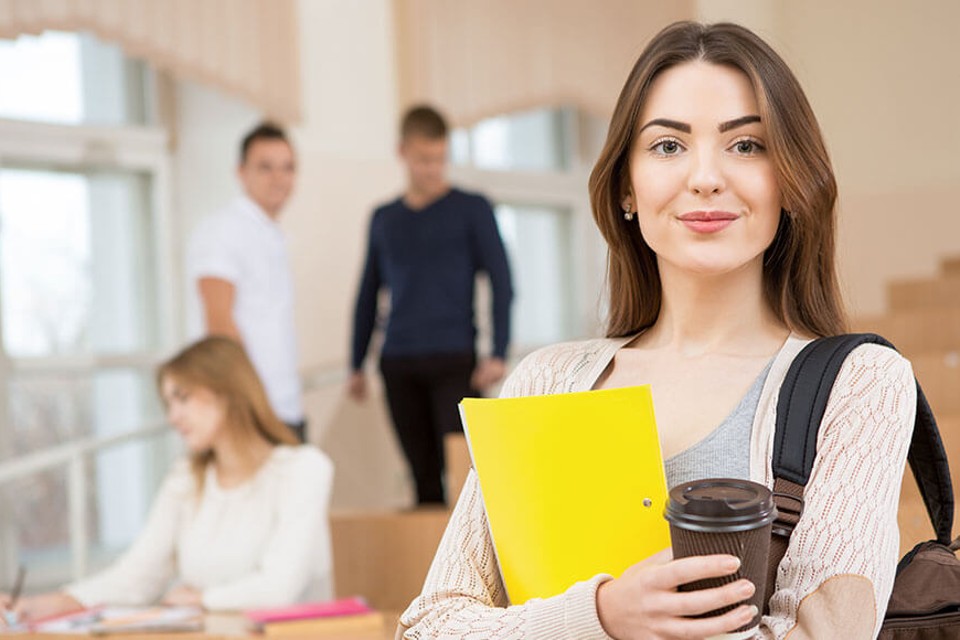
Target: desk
x,y
231,627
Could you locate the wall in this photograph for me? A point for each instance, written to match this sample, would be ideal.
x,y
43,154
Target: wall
x,y
888,102
882,79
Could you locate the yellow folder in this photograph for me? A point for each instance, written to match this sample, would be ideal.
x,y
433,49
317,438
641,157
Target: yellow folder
x,y
573,485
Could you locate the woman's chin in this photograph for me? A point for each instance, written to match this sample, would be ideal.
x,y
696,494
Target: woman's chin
x,y
196,447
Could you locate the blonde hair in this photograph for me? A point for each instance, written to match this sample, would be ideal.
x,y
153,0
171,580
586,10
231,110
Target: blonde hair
x,y
799,272
221,365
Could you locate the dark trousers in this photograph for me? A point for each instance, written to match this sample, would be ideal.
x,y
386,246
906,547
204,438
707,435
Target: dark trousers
x,y
423,393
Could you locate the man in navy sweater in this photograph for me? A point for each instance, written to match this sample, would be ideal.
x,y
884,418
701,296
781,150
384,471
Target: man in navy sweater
x,y
426,249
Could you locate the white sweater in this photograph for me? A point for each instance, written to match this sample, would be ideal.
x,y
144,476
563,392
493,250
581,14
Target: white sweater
x,y
837,574
263,543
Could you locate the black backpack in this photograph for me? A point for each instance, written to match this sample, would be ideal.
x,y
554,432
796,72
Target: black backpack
x,y
925,603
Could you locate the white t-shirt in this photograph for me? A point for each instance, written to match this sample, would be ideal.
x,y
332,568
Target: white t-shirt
x,y
264,543
244,246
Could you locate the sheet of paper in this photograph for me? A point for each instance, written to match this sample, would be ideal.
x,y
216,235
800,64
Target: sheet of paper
x,y
109,620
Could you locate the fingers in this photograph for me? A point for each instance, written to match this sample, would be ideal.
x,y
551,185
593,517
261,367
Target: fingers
x,y
692,603
357,387
706,627
684,570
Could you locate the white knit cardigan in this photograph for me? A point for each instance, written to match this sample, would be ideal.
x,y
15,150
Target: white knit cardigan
x,y
837,574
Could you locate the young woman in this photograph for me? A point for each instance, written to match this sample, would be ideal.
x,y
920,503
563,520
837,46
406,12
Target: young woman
x,y
716,197
240,524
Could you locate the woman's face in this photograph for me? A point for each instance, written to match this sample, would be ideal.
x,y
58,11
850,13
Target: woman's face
x,y
702,182
196,412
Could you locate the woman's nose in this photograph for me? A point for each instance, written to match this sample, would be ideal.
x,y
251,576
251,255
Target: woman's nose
x,y
706,176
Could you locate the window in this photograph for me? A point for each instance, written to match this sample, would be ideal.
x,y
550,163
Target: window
x,y
531,140
75,261
85,309
534,167
538,243
71,78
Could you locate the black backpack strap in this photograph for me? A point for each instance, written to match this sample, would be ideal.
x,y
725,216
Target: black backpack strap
x,y
928,461
800,408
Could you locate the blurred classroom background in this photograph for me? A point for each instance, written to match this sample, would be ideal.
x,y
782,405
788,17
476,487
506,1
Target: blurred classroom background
x,y
119,126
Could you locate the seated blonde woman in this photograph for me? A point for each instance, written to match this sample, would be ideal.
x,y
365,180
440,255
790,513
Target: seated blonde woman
x,y
241,523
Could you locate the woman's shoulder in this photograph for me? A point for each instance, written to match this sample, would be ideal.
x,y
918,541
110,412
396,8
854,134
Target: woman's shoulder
x,y
297,462
874,388
560,368
180,480
873,367
865,367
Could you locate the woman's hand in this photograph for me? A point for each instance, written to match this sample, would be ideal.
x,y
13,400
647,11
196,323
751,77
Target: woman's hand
x,y
644,604
5,610
33,608
183,596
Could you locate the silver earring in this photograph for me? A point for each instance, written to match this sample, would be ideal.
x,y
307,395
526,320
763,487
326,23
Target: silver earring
x,y
628,216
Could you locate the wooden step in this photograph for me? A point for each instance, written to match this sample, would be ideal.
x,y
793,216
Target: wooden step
x,y
384,556
950,266
939,375
924,293
916,332
913,520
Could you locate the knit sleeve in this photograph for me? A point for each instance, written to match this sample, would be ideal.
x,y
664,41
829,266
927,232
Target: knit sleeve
x,y
837,575
141,575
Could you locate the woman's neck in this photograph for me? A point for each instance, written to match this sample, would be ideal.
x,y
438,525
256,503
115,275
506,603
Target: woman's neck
x,y
725,314
235,464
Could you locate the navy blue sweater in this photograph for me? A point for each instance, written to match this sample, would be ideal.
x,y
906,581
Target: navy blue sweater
x,y
428,259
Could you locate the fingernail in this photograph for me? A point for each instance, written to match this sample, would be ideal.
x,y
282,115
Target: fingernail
x,y
732,564
747,588
753,611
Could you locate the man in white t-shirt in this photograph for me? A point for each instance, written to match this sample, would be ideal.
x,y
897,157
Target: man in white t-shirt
x,y
238,262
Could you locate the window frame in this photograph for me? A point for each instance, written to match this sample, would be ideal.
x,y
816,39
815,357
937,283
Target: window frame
x,y
564,189
143,149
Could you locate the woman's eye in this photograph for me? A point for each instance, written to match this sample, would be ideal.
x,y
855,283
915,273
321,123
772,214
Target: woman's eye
x,y
748,147
667,147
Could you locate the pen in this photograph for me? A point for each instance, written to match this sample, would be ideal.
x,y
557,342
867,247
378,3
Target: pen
x,y
9,615
17,585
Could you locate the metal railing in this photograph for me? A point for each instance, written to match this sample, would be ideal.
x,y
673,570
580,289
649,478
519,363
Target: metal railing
x,y
74,455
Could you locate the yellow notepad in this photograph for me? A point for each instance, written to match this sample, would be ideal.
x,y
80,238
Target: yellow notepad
x,y
573,485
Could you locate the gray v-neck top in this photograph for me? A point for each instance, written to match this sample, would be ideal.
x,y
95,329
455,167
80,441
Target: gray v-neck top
x,y
725,452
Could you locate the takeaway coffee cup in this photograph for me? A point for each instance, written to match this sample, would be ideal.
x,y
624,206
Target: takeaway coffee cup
x,y
724,515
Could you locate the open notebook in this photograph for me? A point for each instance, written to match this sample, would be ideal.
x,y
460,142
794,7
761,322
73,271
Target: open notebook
x,y
573,485
124,621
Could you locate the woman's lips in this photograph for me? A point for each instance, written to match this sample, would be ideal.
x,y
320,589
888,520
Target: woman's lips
x,y
708,221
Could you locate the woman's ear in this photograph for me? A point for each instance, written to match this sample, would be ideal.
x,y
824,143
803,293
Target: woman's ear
x,y
627,201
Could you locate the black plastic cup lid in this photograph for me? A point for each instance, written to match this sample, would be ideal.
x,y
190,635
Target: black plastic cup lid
x,y
720,505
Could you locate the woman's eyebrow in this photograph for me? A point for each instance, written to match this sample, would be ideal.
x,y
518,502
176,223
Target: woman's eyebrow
x,y
671,124
723,127
737,122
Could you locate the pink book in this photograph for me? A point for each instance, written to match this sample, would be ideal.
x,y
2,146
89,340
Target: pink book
x,y
306,611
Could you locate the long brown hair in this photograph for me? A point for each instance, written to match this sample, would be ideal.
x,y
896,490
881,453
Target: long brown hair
x,y
799,271
221,365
